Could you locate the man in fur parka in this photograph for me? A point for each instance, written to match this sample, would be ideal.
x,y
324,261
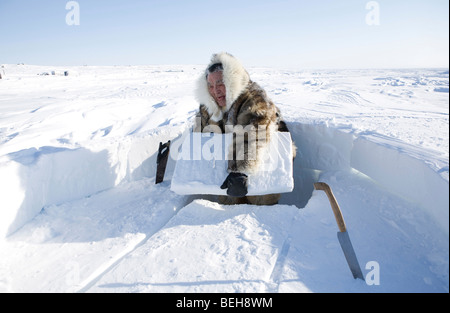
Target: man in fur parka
x,y
231,102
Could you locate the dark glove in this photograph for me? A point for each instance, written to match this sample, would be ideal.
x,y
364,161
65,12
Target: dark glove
x,y
237,184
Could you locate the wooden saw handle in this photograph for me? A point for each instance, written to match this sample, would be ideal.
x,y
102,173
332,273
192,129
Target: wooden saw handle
x,y
334,205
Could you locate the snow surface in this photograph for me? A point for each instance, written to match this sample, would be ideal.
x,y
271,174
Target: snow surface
x,y
80,211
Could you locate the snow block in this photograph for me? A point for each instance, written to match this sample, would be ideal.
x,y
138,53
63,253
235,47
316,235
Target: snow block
x,y
202,163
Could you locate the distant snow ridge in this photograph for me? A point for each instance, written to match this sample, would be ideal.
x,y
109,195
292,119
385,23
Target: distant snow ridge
x,y
35,178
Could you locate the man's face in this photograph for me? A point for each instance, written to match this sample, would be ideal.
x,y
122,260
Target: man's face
x,y
217,88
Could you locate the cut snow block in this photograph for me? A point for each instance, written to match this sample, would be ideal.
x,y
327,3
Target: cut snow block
x,y
201,165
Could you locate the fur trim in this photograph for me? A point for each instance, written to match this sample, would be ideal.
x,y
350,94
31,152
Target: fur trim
x,y
235,78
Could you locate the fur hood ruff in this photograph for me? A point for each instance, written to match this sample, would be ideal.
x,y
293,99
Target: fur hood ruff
x,y
235,78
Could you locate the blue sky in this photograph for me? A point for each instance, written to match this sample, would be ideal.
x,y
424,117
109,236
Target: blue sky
x,y
291,33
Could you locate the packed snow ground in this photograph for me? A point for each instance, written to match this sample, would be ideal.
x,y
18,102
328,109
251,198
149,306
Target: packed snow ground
x,y
80,211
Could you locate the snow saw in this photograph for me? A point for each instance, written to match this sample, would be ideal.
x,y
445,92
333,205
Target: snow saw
x,y
342,235
161,161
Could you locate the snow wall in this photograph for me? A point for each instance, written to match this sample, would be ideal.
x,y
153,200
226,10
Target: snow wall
x,y
34,178
401,169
